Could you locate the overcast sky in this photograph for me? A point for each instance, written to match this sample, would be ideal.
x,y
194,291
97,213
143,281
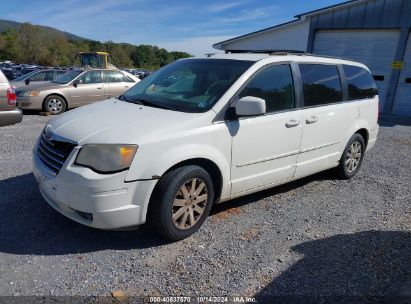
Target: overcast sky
x,y
191,26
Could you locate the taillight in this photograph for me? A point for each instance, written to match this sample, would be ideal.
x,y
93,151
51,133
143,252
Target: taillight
x,y
11,96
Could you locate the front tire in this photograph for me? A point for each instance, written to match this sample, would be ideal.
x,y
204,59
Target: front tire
x,y
54,105
352,157
181,202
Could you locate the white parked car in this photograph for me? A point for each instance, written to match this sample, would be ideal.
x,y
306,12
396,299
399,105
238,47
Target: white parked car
x,y
206,130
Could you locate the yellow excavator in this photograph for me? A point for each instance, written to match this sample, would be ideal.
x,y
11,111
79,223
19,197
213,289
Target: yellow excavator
x,y
96,60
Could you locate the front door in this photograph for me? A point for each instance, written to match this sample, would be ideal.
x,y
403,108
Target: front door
x,y
265,148
89,88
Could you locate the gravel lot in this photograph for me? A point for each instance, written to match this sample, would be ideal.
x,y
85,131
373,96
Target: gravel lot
x,y
315,237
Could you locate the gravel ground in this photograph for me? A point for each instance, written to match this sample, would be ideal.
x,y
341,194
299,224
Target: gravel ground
x,y
315,237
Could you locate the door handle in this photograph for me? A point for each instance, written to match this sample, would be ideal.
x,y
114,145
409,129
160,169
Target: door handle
x,y
99,88
292,123
126,87
311,120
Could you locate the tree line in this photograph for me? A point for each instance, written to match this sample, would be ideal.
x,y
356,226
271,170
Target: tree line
x,y
34,44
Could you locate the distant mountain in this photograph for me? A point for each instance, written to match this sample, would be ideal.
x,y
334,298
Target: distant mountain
x,y
6,24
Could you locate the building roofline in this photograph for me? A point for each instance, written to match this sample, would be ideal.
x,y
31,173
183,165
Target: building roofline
x,y
327,8
299,17
258,32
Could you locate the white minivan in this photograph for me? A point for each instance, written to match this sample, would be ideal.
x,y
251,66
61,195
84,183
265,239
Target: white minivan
x,y
206,130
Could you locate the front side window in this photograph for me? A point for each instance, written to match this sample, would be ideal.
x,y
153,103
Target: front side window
x,y
360,82
275,85
113,76
90,77
189,85
321,84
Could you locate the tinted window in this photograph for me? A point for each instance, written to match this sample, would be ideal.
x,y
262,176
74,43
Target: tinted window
x,y
275,86
321,84
360,82
90,77
113,76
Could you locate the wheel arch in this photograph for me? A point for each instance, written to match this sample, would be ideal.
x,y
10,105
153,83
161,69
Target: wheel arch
x,y
365,135
208,165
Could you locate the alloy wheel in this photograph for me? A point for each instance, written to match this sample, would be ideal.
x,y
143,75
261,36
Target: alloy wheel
x,y
353,156
189,203
55,105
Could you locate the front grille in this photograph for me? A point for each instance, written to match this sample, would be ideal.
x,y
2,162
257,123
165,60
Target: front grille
x,y
53,153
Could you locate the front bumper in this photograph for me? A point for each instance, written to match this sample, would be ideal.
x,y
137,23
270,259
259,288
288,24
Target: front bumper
x,y
92,199
10,117
30,102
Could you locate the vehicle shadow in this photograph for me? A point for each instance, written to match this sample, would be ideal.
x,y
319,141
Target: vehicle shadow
x,y
277,190
365,267
30,226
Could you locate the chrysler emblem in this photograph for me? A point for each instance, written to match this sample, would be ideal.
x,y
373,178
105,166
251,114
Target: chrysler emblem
x,y
48,132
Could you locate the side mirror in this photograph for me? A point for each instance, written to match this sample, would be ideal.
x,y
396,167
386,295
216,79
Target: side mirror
x,y
75,83
250,106
27,81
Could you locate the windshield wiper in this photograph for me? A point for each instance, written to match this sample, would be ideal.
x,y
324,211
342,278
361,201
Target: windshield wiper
x,y
147,103
124,98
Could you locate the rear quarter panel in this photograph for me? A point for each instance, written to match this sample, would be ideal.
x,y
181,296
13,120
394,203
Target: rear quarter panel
x,y
367,119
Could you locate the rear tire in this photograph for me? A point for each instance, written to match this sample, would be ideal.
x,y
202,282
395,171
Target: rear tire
x,y
54,104
352,157
181,202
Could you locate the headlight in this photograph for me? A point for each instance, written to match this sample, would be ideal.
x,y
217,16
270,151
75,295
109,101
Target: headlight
x,y
104,158
29,93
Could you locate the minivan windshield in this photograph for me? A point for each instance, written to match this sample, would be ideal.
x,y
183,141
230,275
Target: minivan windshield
x,y
190,85
67,77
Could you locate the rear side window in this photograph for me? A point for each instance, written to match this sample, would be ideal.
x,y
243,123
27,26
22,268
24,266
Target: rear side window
x,y
275,85
90,77
113,76
360,83
321,84
128,79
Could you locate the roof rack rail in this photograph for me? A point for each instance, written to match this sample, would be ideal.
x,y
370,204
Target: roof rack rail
x,y
278,51
283,52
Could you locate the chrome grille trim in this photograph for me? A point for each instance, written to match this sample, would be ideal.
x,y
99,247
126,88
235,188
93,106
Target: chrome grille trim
x,y
52,154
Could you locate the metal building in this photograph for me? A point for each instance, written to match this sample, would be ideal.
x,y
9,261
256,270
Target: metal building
x,y
375,32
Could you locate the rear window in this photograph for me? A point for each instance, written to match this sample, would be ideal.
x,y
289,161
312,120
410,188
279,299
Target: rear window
x,y
360,83
321,84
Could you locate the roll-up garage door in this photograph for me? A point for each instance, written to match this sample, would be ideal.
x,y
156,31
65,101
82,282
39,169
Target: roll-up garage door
x,y
402,101
374,48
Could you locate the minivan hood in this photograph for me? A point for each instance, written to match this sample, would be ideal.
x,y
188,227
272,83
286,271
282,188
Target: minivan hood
x,y
115,121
